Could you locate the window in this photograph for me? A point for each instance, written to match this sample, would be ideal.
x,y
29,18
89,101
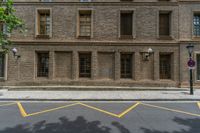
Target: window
x,y
2,64
196,22
126,65
45,0
198,66
164,24
44,23
85,23
84,64
165,66
85,0
126,24
43,64
126,0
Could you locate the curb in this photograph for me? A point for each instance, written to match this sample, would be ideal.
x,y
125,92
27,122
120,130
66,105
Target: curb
x,y
89,88
99,99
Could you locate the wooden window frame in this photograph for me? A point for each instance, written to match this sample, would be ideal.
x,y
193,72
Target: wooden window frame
x,y
89,11
37,23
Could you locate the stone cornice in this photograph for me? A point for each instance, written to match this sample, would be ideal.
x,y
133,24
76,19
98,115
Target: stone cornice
x,y
100,3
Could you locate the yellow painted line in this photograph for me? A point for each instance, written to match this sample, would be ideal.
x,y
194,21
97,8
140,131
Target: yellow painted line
x,y
198,103
128,110
100,110
7,104
21,109
53,109
172,110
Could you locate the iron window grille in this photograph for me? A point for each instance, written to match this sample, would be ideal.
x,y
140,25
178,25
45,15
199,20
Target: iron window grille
x,y
2,64
126,65
165,66
43,65
85,65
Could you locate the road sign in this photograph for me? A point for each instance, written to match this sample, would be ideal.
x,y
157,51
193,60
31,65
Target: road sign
x,y
191,64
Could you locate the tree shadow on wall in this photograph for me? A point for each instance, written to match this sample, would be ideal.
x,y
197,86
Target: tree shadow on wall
x,y
80,125
192,124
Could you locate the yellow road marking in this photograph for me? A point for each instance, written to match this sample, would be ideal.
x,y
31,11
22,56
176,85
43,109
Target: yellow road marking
x,y
198,103
100,110
7,104
110,113
128,110
21,109
173,110
53,109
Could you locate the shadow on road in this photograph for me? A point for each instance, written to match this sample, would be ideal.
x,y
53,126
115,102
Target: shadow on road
x,y
80,125
192,124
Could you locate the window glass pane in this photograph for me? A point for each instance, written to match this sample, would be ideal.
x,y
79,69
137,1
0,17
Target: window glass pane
x,y
43,64
196,22
44,23
85,23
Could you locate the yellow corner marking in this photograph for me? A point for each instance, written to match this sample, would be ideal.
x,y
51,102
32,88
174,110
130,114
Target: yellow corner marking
x,y
100,110
21,109
173,110
7,104
53,109
128,110
198,103
110,113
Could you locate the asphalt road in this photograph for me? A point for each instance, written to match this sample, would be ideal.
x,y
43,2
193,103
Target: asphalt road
x,y
99,117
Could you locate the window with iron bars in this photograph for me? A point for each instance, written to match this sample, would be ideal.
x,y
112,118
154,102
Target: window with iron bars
x,y
43,64
85,65
165,66
126,65
2,64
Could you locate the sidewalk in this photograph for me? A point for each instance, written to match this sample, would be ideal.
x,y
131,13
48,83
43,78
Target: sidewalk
x,y
140,94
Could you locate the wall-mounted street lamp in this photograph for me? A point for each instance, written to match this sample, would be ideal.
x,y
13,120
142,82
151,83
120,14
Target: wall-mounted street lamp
x,y
14,51
191,64
147,54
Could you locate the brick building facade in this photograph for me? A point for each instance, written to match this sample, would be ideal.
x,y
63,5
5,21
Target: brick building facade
x,y
104,42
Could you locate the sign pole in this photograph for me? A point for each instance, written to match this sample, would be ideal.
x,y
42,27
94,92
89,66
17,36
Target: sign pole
x,y
191,83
